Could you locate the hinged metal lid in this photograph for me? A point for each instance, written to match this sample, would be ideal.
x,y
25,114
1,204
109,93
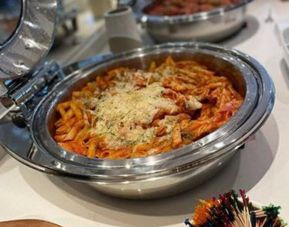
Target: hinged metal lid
x,y
31,40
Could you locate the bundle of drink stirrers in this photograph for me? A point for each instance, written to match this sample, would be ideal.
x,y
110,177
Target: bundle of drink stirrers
x,y
233,210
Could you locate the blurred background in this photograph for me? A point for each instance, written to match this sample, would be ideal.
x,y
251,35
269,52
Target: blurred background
x,y
81,30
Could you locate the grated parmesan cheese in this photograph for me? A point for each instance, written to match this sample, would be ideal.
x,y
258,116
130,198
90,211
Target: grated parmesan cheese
x,y
120,116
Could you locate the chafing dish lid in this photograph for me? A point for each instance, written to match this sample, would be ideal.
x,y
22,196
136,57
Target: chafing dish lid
x,y
31,39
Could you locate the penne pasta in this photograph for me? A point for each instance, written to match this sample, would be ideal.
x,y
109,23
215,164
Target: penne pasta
x,y
133,113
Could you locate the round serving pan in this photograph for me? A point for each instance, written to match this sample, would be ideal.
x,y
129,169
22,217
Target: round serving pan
x,y
210,26
168,173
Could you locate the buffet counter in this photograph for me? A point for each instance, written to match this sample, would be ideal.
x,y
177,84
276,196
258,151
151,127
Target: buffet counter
x,y
261,167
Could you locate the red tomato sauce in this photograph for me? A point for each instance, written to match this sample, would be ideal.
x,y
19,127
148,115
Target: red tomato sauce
x,y
184,7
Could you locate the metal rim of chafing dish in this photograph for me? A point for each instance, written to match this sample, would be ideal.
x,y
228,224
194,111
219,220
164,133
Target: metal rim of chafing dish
x,y
143,17
53,159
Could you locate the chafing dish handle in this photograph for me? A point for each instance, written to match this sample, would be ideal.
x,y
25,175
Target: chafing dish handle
x,y
41,78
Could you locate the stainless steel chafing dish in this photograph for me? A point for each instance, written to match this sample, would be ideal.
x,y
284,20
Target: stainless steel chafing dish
x,y
204,26
29,104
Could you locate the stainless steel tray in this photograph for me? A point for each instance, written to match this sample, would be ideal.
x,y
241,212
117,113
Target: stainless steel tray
x,y
209,26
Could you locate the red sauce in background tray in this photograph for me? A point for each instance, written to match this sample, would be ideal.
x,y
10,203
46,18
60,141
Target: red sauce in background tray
x,y
184,7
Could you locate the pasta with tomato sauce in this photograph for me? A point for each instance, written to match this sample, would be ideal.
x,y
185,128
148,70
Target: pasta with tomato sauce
x,y
132,113
184,7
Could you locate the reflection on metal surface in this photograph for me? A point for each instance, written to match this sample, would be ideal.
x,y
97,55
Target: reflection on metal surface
x,y
31,24
3,89
5,110
37,23
30,43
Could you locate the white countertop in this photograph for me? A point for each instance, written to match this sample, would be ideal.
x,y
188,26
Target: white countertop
x,y
262,168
